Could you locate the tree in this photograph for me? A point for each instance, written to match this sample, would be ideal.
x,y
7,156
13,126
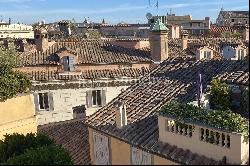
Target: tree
x,y
8,58
11,82
93,34
32,149
220,95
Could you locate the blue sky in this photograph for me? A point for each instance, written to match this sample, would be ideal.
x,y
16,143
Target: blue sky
x,y
113,11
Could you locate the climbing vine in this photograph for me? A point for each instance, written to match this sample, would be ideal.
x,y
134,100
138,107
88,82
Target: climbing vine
x,y
221,119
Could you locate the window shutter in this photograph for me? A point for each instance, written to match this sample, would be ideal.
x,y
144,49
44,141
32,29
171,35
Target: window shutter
x,y
51,101
103,97
65,63
89,98
36,101
71,63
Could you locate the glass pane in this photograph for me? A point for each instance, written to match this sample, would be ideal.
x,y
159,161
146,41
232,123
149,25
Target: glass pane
x,y
99,101
41,101
46,100
94,97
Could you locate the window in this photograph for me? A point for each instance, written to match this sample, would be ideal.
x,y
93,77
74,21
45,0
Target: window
x,y
140,157
232,20
240,54
68,63
207,54
96,98
43,101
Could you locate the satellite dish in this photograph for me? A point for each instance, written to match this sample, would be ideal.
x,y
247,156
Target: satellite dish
x,y
149,16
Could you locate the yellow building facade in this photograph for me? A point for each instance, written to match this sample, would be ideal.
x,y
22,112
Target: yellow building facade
x,y
17,115
120,153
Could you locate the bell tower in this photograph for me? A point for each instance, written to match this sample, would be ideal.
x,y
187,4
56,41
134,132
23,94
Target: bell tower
x,y
158,39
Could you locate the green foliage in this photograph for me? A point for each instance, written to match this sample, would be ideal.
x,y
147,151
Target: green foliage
x,y
46,155
8,58
93,34
219,95
31,149
245,100
221,119
11,83
17,144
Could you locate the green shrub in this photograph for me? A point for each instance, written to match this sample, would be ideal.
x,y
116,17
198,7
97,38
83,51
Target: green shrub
x,y
220,95
17,144
32,149
221,119
46,155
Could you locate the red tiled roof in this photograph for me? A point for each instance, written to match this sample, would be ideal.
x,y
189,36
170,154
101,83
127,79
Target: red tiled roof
x,y
73,136
175,80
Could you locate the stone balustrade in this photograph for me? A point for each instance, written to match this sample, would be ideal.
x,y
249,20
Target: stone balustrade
x,y
204,140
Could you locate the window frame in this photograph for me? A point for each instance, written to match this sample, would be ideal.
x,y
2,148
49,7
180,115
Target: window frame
x,y
96,98
39,106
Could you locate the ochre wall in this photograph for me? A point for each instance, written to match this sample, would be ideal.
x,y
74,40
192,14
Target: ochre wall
x,y
161,161
17,115
120,152
91,145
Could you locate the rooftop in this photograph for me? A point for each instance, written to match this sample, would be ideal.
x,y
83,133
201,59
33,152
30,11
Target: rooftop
x,y
173,80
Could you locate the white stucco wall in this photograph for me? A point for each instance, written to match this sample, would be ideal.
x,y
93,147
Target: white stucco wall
x,y
65,99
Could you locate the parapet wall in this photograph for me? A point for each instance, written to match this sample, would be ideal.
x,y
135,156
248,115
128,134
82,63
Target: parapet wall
x,y
206,141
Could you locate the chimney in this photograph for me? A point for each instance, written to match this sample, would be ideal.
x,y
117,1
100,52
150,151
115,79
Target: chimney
x,y
41,39
121,114
246,33
184,39
158,40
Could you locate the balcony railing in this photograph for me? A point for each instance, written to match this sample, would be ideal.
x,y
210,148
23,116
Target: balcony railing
x,y
204,140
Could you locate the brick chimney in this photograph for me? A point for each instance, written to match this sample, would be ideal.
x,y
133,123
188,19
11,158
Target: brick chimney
x,y
246,33
41,39
121,114
184,39
158,40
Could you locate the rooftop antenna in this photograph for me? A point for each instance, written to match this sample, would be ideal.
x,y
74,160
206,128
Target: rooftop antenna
x,y
149,3
157,6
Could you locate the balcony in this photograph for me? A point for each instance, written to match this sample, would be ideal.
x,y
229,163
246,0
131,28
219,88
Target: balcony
x,y
203,139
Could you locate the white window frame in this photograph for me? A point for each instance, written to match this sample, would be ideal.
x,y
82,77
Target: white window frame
x,y
206,54
38,98
96,105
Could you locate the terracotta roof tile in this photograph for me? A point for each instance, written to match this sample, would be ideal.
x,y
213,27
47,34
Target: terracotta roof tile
x,y
73,136
176,81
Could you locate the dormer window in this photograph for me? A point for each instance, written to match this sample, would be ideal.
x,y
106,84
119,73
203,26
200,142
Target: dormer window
x,y
68,63
207,55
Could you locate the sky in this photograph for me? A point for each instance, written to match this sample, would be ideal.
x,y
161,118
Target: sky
x,y
113,11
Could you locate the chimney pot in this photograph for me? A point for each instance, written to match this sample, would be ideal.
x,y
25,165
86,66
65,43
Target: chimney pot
x,y
121,114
